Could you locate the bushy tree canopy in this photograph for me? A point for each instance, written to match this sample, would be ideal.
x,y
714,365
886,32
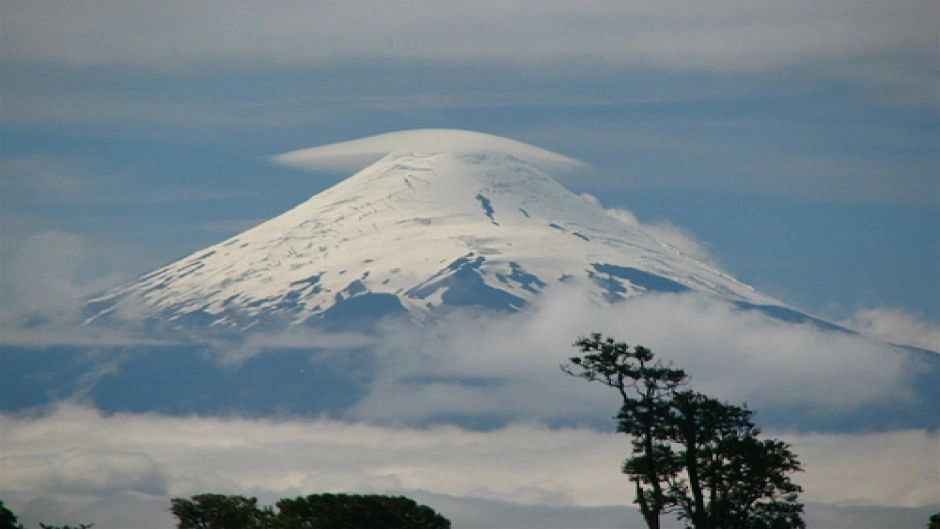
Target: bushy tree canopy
x,y
342,511
219,511
317,511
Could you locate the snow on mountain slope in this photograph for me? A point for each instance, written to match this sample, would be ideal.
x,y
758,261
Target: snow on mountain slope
x,y
416,232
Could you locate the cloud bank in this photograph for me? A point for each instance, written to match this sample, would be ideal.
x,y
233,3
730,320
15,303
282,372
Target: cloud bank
x,y
75,463
476,366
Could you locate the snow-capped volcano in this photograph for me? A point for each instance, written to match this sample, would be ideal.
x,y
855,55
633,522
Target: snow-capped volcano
x,y
416,232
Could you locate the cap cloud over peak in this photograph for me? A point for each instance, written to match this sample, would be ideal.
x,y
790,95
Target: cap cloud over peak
x,y
353,155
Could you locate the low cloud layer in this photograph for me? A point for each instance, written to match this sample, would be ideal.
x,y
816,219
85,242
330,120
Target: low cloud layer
x,y
75,464
472,365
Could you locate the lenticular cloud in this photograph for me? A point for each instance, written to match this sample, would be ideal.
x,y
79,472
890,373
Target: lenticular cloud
x,y
355,154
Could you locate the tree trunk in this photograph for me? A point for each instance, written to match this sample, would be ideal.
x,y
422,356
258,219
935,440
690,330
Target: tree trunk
x,y
699,516
651,518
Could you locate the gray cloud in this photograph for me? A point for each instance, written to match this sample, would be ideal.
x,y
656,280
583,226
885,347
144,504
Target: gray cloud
x,y
886,46
83,470
522,473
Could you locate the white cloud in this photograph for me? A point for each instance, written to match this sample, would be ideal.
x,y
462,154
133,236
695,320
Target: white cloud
x,y
507,367
355,154
249,345
80,464
662,230
896,325
891,468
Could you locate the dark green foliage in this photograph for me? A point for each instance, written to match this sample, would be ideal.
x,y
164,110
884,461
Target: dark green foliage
x,y
8,519
318,511
732,478
692,456
934,521
342,511
218,511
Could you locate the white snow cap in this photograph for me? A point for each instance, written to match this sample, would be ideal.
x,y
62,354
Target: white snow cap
x,y
355,154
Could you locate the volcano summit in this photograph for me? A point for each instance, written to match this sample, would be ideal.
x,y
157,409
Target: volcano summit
x,y
443,219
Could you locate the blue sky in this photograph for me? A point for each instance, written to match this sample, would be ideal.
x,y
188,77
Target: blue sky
x,y
795,142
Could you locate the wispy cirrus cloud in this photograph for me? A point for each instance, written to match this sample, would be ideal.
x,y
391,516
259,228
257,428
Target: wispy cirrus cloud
x,y
663,231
